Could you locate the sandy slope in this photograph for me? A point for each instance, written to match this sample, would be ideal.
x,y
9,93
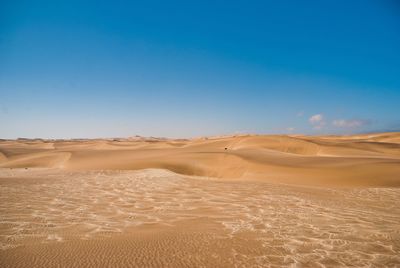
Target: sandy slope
x,y
258,201
362,160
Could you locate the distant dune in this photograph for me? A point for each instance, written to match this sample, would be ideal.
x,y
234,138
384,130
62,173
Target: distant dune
x,y
359,160
232,201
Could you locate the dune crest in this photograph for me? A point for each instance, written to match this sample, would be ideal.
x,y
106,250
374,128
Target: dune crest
x,y
361,160
231,201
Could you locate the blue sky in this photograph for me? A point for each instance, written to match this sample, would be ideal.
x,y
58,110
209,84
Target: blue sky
x,y
72,69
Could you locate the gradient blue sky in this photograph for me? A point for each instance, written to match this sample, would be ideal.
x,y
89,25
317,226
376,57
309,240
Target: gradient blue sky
x,y
72,69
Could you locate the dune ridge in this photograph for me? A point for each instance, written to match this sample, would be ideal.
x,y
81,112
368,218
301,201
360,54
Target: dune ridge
x,y
228,201
359,160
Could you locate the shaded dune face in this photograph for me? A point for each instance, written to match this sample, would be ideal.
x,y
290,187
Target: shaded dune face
x,y
363,160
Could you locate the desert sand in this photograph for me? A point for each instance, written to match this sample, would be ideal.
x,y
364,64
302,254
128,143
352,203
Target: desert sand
x,y
231,201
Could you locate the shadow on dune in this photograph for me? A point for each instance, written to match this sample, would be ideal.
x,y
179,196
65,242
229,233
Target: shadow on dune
x,y
333,161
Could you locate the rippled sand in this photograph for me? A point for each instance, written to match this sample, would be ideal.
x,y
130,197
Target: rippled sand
x,y
156,218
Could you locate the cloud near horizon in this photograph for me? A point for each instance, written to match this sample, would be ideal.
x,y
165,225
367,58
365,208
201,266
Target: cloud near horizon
x,y
354,123
317,121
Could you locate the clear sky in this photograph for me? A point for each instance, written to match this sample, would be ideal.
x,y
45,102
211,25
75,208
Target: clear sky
x,y
71,69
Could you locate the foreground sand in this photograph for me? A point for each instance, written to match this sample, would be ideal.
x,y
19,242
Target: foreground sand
x,y
156,218
263,201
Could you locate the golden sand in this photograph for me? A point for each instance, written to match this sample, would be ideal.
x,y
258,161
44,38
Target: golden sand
x,y
244,201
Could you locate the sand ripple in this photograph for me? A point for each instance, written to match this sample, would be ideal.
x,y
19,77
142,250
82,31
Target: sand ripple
x,y
241,224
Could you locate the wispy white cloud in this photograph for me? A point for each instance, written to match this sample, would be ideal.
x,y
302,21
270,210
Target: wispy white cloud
x,y
317,118
317,121
300,114
354,123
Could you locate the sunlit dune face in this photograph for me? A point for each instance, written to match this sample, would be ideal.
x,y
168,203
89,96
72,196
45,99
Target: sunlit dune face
x,y
362,160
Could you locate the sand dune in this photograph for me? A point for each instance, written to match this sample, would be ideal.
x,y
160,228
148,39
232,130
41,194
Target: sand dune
x,y
231,201
361,160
